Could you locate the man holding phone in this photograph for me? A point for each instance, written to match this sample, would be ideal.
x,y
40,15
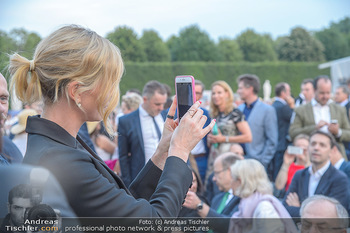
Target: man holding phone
x,y
321,114
140,131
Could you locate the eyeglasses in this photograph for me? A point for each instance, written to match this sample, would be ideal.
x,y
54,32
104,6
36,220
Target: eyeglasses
x,y
218,172
305,226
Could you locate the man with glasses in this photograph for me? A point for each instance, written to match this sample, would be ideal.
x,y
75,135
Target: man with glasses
x,y
323,214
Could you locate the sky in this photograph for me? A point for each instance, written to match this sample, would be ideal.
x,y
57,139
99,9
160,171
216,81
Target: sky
x,y
219,18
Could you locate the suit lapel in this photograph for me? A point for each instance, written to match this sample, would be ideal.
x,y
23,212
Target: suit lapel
x,y
139,130
332,111
255,108
305,178
310,113
324,181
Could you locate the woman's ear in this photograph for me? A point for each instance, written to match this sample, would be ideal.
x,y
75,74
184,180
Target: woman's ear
x,y
73,92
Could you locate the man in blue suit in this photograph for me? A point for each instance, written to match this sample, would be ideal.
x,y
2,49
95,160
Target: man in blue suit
x,y
338,161
320,178
283,104
261,118
140,131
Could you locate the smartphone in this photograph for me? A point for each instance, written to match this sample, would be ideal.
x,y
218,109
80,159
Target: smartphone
x,y
294,150
185,94
334,121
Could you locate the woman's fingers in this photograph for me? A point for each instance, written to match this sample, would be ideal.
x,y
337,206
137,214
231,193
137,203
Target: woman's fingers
x,y
172,109
193,110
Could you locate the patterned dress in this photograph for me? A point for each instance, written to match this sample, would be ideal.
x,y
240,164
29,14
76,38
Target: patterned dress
x,y
227,124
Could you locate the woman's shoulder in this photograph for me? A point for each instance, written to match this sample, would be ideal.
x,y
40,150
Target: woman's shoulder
x,y
265,209
236,115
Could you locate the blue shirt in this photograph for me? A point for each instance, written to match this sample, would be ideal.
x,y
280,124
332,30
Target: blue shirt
x,y
248,109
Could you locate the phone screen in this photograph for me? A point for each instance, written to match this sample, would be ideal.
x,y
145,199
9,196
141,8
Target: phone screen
x,y
184,97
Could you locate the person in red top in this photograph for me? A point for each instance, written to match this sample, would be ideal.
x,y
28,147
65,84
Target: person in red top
x,y
292,163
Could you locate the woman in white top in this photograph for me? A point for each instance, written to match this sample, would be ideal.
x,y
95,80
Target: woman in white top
x,y
251,184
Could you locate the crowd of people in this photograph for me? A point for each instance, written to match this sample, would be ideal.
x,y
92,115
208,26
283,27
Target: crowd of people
x,y
237,163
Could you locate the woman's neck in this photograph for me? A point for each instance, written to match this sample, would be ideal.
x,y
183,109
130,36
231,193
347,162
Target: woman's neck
x,y
222,108
62,114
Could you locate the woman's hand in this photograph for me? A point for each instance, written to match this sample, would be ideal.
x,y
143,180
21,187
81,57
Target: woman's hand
x,y
161,153
189,132
219,138
168,130
288,159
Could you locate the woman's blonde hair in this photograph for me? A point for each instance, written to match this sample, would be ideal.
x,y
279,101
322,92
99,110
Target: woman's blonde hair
x,y
253,178
71,53
132,101
214,110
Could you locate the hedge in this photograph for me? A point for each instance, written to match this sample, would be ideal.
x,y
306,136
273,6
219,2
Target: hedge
x,y
137,74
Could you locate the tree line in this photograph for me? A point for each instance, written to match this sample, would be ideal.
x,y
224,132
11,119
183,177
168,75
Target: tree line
x,y
194,44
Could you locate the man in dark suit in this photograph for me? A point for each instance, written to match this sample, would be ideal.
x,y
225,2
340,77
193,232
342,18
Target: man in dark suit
x,y
140,131
321,114
320,178
307,92
284,105
338,161
223,204
341,97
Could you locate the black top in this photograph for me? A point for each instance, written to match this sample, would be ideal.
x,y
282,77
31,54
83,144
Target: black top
x,y
92,189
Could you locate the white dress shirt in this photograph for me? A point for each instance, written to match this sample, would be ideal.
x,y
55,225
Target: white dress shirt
x,y
149,132
316,177
339,163
321,113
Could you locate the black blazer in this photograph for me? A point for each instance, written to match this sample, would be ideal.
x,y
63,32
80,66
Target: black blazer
x,y
284,113
92,189
332,184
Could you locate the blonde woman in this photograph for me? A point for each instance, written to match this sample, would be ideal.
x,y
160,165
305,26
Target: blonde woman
x,y
77,73
232,128
258,210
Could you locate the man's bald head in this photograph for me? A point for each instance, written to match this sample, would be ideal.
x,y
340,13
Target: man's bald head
x,y
4,100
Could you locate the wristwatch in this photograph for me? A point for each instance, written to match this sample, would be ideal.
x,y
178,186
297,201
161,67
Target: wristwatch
x,y
199,206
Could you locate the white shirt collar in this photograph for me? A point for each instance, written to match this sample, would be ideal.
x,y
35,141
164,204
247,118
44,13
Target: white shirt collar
x,y
280,100
143,112
320,172
315,103
339,163
344,103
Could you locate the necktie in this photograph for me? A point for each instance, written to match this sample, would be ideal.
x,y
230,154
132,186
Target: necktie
x,y
223,203
157,128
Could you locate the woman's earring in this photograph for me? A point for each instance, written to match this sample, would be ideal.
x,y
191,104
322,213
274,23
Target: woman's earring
x,y
79,104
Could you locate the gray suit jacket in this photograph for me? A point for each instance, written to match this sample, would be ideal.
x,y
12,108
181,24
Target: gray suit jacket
x,y
263,124
304,122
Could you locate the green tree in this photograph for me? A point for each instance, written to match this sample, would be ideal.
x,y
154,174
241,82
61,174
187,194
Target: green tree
x,y
342,26
126,40
155,48
229,50
256,47
335,43
300,46
192,45
25,41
